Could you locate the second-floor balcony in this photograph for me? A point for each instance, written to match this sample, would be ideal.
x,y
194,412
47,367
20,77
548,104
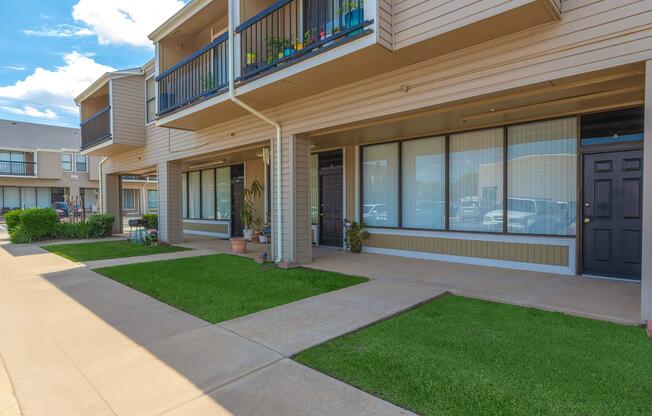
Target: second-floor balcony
x,y
202,74
96,128
13,168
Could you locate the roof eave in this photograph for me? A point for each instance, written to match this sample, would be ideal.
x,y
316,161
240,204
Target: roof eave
x,y
170,25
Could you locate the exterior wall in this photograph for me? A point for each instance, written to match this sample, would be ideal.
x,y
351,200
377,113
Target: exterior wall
x,y
220,229
295,199
350,172
530,253
92,106
169,202
49,165
128,110
646,272
593,35
94,168
385,15
112,200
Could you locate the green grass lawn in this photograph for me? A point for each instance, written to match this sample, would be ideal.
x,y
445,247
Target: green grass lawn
x,y
459,356
107,250
221,287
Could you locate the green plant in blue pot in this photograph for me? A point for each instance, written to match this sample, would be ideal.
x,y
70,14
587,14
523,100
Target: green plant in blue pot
x,y
353,12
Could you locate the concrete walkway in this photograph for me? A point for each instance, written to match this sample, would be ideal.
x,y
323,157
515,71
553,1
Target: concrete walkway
x,y
76,343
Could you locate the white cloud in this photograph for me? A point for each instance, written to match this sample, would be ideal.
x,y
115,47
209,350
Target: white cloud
x,y
29,111
59,31
125,21
55,89
15,67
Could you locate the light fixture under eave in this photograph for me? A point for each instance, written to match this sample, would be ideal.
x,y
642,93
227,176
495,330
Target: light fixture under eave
x,y
207,164
266,155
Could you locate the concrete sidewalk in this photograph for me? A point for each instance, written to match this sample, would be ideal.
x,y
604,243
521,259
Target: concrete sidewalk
x,y
76,343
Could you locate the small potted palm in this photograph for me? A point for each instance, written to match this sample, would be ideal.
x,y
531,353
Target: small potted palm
x,y
356,234
248,215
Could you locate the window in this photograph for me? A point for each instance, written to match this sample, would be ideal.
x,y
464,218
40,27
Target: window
x,y
476,181
542,177
152,199
43,198
150,96
66,162
184,194
424,183
223,193
11,197
380,185
128,199
89,198
208,194
80,163
194,199
28,197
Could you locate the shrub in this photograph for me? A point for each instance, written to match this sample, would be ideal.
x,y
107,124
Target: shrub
x,y
19,236
152,221
38,223
100,225
66,230
12,218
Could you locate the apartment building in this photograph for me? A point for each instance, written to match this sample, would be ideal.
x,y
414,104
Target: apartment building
x,y
40,165
506,133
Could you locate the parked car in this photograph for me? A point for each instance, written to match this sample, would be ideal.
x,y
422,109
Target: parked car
x,y
527,215
62,209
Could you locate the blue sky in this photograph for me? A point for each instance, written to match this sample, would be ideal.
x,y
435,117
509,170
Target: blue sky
x,y
53,49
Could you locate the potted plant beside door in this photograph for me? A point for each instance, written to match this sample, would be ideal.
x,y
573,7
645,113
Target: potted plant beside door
x,y
248,214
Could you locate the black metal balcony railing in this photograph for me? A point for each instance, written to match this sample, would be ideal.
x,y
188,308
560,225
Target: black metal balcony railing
x,y
290,29
200,75
17,168
96,128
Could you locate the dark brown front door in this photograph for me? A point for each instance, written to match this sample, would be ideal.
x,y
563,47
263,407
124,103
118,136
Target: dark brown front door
x,y
330,199
612,214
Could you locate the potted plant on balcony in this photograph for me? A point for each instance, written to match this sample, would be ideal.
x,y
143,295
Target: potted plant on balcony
x,y
353,12
248,215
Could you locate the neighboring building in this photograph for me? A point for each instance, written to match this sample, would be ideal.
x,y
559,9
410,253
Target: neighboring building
x,y
139,195
40,165
475,132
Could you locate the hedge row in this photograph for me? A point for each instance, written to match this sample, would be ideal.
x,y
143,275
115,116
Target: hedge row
x,y
29,225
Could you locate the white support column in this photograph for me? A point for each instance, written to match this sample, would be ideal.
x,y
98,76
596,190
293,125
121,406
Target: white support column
x,y
646,272
170,223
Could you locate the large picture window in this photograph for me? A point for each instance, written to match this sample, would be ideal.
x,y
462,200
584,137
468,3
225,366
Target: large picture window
x,y
208,194
476,181
194,198
424,183
223,193
380,185
542,177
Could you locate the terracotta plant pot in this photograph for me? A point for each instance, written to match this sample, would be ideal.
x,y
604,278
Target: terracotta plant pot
x,y
238,245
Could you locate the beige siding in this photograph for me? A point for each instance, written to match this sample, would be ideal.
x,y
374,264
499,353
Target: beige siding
x,y
350,168
112,200
94,168
128,110
169,202
418,20
551,255
206,227
92,106
49,165
596,36
385,19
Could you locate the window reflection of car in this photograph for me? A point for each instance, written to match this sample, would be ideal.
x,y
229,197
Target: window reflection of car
x,y
527,215
430,209
375,212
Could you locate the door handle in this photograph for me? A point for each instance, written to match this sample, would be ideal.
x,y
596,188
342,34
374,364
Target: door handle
x,y
321,214
587,220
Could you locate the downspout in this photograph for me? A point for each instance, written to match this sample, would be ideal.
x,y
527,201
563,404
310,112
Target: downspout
x,y
277,126
101,201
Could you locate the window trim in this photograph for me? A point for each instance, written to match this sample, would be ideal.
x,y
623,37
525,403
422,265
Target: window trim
x,y
85,163
447,136
72,162
149,122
